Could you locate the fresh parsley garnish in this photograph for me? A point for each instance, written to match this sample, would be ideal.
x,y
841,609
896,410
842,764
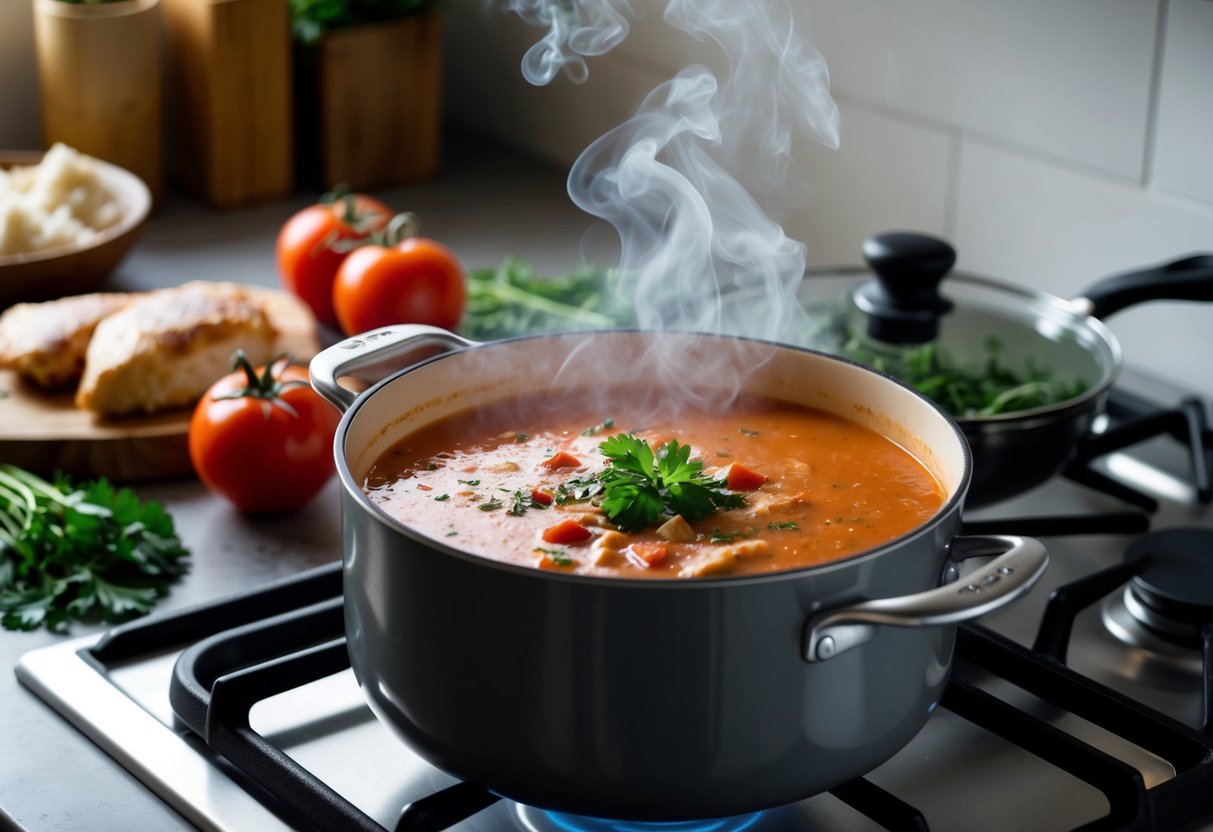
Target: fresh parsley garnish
x,y
521,500
640,486
556,556
577,490
472,483
784,524
442,498
492,505
599,428
82,552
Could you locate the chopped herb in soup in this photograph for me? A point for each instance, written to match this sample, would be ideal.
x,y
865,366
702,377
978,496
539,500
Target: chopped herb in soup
x,y
760,486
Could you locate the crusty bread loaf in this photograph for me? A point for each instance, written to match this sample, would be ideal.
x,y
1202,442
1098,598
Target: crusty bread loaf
x,y
164,349
45,343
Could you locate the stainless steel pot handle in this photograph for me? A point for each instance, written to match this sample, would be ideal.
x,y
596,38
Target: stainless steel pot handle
x,y
371,349
1022,562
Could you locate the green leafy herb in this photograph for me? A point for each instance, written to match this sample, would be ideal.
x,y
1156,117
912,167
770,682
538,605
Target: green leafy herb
x,y
556,556
442,498
472,483
599,428
784,524
639,487
513,299
577,490
85,553
985,388
492,505
523,499
522,437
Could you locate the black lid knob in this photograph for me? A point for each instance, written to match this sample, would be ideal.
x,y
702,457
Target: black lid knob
x,y
903,303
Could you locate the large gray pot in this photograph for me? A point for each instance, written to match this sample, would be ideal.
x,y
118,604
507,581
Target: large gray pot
x,y
642,699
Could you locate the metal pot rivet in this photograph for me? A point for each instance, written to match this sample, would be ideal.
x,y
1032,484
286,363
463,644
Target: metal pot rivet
x,y
825,648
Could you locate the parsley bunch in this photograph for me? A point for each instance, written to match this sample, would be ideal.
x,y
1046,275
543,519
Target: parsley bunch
x,y
640,486
87,552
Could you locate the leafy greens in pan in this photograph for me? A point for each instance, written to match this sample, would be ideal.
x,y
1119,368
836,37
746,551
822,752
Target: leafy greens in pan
x,y
513,299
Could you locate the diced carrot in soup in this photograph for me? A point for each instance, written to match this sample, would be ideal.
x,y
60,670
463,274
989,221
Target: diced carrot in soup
x,y
566,531
766,486
741,478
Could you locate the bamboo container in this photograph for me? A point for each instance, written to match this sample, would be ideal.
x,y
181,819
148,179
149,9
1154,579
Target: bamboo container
x,y
100,82
379,102
229,71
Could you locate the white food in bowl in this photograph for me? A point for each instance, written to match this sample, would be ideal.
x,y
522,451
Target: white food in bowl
x,y
62,200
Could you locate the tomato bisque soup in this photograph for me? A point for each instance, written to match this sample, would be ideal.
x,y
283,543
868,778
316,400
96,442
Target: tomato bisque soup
x,y
759,486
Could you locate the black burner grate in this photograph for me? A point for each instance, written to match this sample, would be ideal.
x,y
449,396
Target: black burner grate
x,y
284,635
1136,419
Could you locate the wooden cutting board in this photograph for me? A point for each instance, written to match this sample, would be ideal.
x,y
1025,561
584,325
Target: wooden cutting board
x,y
47,433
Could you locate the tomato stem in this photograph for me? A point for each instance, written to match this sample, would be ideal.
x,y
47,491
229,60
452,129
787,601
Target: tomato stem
x,y
267,386
400,228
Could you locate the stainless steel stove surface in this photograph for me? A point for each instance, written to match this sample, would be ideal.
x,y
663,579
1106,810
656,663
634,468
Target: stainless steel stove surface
x,y
1006,750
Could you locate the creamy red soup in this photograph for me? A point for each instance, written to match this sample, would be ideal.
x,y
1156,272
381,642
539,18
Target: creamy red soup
x,y
765,486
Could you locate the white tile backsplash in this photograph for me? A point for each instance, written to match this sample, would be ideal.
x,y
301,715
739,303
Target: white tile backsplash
x,y
1053,229
1183,147
885,174
1070,79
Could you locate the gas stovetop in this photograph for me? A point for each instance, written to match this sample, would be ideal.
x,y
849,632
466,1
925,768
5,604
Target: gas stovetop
x,y
1090,710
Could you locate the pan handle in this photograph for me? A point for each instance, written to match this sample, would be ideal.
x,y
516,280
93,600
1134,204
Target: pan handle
x,y
375,350
1188,279
1021,562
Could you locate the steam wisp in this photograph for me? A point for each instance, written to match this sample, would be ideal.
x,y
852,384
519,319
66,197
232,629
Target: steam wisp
x,y
695,181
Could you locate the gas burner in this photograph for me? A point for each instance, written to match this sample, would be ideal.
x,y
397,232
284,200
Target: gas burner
x,y
538,820
1164,606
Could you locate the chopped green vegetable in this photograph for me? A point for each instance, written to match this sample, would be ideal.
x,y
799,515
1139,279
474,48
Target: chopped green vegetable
x,y
557,556
442,498
83,552
472,483
968,391
523,499
599,428
577,490
639,487
492,505
512,299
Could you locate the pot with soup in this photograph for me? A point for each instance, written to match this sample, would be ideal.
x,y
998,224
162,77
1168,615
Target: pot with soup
x,y
651,576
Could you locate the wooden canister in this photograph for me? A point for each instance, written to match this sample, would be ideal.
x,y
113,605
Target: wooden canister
x,y
379,100
229,70
100,82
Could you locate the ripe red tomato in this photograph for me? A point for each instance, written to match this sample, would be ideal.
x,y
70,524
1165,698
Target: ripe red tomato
x,y
263,439
417,281
310,246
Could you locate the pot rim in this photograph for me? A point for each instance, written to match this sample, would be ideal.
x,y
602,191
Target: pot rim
x,y
1071,309
950,506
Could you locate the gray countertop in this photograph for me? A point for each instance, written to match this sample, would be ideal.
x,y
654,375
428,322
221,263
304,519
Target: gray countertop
x,y
486,203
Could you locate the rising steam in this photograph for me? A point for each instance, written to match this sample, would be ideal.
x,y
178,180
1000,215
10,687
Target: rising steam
x,y
577,29
692,181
